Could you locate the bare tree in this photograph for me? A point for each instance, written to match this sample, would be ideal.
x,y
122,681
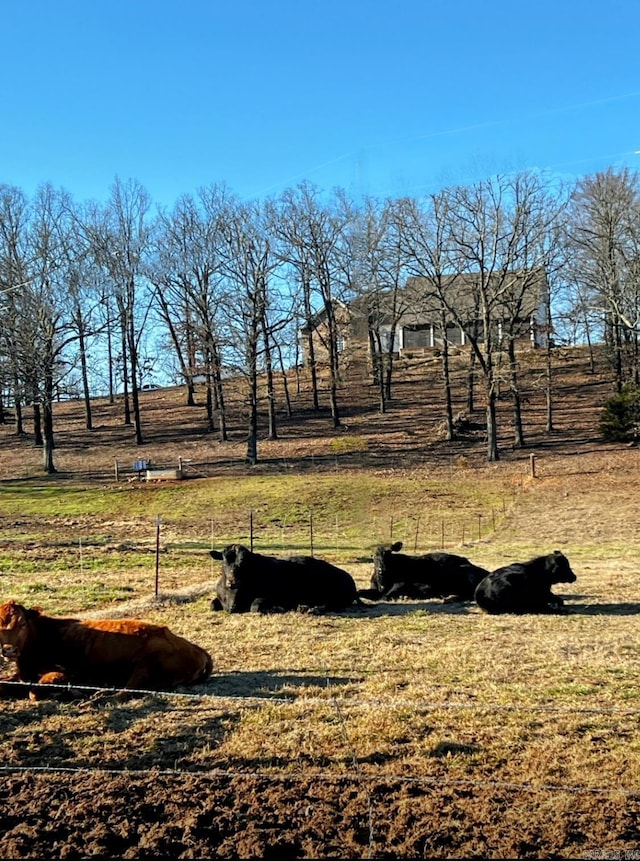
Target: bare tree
x,y
287,223
375,271
314,232
46,307
483,251
248,268
187,272
604,237
425,237
14,277
119,238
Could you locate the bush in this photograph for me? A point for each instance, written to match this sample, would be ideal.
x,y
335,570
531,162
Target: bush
x,y
620,418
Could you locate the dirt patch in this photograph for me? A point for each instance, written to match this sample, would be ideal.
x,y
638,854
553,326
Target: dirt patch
x,y
190,816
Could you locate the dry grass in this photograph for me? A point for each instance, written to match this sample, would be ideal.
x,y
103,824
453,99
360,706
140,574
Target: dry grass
x,y
471,736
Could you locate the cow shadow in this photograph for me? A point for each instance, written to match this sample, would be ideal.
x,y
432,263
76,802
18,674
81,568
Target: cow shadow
x,y
623,608
270,684
407,607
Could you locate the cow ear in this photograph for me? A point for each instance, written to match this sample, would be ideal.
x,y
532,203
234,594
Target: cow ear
x,y
396,547
215,554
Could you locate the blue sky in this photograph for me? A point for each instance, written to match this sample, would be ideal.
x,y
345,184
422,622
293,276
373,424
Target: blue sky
x,y
386,98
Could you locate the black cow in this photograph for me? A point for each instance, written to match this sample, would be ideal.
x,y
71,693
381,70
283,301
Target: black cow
x,y
432,575
251,582
525,587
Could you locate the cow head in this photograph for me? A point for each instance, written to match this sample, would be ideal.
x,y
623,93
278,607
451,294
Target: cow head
x,y
382,578
235,590
558,569
15,629
236,564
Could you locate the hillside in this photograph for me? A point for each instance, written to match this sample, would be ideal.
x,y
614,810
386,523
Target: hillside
x,y
401,729
409,435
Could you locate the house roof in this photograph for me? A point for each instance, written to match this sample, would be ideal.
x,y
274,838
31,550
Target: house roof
x,y
511,295
321,315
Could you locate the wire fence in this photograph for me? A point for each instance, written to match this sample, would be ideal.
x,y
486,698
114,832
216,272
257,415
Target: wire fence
x,y
342,701
355,773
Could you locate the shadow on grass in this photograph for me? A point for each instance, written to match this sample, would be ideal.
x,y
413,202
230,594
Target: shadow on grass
x,y
624,608
406,608
271,684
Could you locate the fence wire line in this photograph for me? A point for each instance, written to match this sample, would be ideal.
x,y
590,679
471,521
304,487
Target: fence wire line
x,y
315,701
356,766
326,777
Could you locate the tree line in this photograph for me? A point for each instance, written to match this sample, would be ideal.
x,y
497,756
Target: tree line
x,y
90,291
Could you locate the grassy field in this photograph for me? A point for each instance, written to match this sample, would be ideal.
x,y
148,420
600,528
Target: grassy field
x,y
405,729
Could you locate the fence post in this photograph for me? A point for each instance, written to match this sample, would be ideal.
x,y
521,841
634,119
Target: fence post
x,y
311,532
532,465
251,531
117,470
158,520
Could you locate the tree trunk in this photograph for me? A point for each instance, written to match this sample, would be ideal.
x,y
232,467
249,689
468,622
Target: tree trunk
x,y
219,393
271,393
285,382
388,368
18,406
492,426
375,345
133,363
85,380
313,370
47,411
38,439
252,355
110,357
446,379
333,365
209,403
515,395
125,375
471,382
48,464
311,353
252,436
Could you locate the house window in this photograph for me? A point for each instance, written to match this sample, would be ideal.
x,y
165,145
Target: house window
x,y
415,337
454,335
340,344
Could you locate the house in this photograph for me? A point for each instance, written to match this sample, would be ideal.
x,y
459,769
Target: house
x,y
517,303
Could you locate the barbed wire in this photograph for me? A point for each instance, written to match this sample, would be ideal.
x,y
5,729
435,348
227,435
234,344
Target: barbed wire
x,y
324,776
356,766
423,705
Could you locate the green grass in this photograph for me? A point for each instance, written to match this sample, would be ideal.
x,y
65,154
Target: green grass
x,y
357,510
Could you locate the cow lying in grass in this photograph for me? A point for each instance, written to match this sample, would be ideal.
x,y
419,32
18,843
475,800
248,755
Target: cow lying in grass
x,y
431,575
251,582
121,653
525,587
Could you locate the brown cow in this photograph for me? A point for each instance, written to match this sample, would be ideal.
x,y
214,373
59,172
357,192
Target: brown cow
x,y
122,653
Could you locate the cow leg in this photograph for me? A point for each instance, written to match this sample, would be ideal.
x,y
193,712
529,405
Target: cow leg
x,y
53,678
556,605
264,605
142,678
